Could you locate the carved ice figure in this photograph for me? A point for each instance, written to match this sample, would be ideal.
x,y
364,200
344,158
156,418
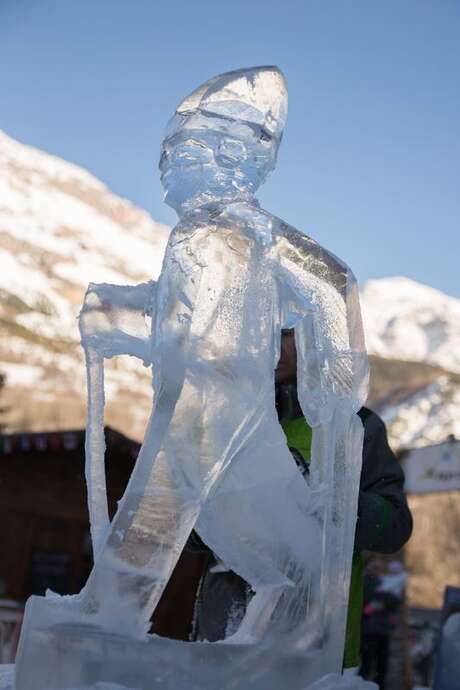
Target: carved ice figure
x,y
214,457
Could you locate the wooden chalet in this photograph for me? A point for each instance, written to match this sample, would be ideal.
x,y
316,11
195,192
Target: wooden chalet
x,y
44,525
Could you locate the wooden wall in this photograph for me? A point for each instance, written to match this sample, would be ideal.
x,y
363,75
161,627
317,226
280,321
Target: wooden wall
x,y
44,526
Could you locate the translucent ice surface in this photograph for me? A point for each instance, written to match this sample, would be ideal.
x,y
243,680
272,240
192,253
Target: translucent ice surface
x,y
214,457
329,682
335,681
6,676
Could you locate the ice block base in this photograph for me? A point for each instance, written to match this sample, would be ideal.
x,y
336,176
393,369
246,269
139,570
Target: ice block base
x,y
55,654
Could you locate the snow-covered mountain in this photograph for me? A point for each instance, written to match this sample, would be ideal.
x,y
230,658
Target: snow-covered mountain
x,y
60,228
409,321
413,337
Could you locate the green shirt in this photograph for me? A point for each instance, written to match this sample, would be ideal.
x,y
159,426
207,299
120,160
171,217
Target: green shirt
x,y
299,436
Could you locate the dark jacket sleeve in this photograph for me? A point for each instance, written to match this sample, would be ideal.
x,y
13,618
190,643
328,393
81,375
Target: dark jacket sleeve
x,y
384,519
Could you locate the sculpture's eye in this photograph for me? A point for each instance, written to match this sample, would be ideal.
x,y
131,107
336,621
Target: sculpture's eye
x,y
265,137
196,143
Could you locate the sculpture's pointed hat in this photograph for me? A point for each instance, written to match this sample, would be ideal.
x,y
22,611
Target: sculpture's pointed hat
x,y
256,95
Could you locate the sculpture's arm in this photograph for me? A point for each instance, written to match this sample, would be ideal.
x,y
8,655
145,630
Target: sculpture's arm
x,y
320,299
113,321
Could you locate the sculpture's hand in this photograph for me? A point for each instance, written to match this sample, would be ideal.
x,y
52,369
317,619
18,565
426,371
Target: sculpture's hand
x,y
114,319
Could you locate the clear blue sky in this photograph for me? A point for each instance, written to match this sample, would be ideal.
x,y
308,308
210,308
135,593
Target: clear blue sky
x,y
370,162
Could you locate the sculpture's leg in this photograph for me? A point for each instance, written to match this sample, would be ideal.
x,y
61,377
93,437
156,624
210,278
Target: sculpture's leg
x,y
262,519
181,458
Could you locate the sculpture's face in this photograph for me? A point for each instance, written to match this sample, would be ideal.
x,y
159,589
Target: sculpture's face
x,y
223,140
212,158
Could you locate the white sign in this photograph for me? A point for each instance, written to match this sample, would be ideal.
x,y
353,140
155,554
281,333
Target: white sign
x,y
434,468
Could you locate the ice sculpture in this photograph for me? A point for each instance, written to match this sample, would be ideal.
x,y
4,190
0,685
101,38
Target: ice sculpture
x,y
214,457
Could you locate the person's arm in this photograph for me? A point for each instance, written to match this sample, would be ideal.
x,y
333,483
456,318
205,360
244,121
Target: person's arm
x,y
384,519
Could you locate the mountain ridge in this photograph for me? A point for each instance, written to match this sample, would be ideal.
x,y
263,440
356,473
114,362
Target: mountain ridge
x,y
60,228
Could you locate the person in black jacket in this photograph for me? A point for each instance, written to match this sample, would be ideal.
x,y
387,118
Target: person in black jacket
x,y
384,519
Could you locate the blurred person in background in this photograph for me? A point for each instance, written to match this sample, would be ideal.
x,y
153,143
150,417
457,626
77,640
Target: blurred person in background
x,y
424,637
378,622
394,579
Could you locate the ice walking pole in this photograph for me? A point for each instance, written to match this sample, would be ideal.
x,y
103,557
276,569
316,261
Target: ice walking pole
x,y
95,448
